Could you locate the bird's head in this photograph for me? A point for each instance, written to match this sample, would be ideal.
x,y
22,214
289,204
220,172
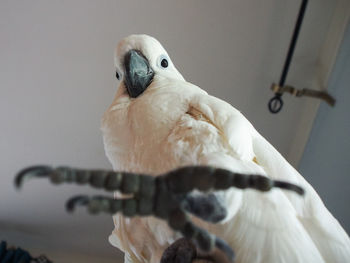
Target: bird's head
x,y
138,60
151,97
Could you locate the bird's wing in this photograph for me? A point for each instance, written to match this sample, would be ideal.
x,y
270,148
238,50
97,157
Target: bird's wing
x,y
307,224
236,130
329,237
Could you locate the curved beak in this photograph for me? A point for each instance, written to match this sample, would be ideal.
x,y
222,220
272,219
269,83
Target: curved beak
x,y
138,73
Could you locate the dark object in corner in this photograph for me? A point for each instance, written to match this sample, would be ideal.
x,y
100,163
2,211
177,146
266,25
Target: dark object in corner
x,y
18,255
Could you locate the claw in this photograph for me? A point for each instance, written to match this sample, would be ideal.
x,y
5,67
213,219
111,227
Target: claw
x,y
164,197
224,247
205,178
80,200
32,172
289,186
96,204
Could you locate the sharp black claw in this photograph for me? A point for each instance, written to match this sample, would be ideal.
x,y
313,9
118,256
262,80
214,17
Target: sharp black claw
x,y
224,247
33,171
289,186
76,200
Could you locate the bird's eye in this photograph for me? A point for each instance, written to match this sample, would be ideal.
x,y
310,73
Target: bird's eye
x,y
117,75
163,61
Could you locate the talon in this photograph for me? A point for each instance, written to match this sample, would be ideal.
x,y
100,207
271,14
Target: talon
x,y
80,200
164,197
32,172
225,179
210,246
98,203
221,253
289,186
225,248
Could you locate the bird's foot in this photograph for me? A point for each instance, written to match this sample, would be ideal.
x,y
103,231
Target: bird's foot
x,y
185,251
181,251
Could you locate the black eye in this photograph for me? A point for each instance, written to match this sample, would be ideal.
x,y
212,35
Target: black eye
x,y
117,75
164,63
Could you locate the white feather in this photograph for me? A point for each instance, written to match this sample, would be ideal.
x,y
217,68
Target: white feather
x,y
174,123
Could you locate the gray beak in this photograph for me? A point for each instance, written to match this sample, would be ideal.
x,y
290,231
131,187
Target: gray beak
x,y
138,73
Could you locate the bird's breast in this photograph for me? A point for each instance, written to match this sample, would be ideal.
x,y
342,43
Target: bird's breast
x,y
143,135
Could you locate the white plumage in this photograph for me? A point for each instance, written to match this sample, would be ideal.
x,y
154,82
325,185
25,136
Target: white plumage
x,y
175,123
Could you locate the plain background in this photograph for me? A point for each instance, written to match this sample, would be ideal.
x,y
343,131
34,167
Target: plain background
x,y
57,78
329,144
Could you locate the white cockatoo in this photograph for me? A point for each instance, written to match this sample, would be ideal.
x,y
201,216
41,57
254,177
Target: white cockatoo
x,y
158,122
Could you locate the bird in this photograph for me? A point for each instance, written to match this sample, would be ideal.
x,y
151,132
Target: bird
x,y
158,121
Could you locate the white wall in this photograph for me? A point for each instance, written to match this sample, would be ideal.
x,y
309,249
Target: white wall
x,y
326,160
57,78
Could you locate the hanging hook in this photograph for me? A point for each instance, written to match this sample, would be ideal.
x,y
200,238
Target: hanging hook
x,y
276,103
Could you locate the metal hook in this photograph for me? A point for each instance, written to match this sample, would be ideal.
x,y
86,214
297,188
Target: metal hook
x,y
276,103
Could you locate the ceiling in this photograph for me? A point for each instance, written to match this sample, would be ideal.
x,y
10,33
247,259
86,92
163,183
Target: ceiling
x,y
57,78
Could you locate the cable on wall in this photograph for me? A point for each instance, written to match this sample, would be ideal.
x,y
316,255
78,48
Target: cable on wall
x,y
276,103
